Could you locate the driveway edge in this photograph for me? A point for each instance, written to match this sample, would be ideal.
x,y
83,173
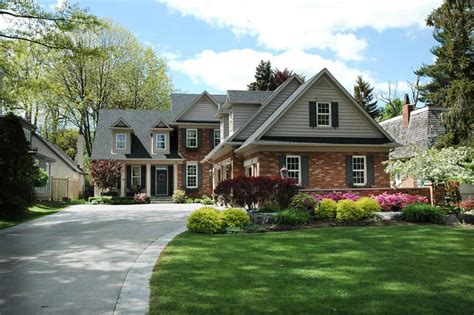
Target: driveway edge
x,y
134,294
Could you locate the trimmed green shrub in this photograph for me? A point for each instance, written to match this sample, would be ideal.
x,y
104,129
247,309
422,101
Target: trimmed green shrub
x,y
348,210
100,200
326,209
189,200
120,201
234,217
422,213
292,217
205,220
303,201
207,201
179,196
368,205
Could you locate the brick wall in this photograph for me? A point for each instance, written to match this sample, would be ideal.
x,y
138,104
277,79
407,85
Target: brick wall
x,y
196,155
327,170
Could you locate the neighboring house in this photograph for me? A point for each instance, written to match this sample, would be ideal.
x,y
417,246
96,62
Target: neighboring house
x,y
315,129
65,177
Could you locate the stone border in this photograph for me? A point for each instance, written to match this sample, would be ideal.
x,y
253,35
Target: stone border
x,y
134,294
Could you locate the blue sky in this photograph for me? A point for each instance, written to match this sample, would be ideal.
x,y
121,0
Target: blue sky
x,y
215,45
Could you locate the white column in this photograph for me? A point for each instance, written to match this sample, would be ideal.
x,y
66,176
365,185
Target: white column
x,y
148,180
175,176
123,180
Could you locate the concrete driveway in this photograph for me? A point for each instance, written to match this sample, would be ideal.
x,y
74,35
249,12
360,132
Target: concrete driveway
x,y
76,261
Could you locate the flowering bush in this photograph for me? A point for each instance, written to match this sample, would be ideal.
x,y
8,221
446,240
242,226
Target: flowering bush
x,y
337,196
141,198
396,202
303,201
467,205
179,196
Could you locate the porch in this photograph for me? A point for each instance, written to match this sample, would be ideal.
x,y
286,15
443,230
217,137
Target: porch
x,y
153,179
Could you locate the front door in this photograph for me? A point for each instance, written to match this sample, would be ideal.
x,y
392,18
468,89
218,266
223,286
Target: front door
x,y
161,181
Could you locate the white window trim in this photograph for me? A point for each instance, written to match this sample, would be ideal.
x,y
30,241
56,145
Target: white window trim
x,y
156,141
214,137
330,115
231,121
187,174
189,138
299,166
27,134
139,176
117,142
365,169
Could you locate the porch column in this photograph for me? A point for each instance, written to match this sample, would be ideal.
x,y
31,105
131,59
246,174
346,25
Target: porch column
x,y
148,180
123,180
175,177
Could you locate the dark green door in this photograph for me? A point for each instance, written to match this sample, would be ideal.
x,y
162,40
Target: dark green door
x,y
162,181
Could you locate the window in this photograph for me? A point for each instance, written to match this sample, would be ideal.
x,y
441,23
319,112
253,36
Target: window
x,y
293,164
160,141
136,176
44,189
27,134
323,114
120,141
359,173
191,138
191,175
231,121
217,137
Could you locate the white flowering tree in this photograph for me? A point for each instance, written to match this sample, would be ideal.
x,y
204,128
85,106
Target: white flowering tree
x,y
436,165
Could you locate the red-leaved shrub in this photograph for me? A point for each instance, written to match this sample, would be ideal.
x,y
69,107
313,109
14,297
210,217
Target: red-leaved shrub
x,y
249,191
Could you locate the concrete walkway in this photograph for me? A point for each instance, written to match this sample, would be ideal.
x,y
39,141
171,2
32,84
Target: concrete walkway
x,y
81,260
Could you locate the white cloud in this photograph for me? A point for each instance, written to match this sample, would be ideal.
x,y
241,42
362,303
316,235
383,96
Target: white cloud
x,y
234,69
307,24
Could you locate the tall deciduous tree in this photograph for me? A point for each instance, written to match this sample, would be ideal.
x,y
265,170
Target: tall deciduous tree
x,y
364,95
452,73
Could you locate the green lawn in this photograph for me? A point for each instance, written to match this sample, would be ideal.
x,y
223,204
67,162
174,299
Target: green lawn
x,y
396,269
36,211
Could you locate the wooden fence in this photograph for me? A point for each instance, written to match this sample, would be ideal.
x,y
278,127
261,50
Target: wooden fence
x,y
64,188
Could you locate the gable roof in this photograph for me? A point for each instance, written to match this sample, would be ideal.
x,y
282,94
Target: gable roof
x,y
295,96
424,127
242,96
216,100
161,124
120,123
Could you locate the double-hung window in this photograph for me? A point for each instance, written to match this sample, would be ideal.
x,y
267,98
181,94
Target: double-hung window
x,y
136,176
293,164
191,175
323,114
217,136
120,141
359,170
191,138
160,141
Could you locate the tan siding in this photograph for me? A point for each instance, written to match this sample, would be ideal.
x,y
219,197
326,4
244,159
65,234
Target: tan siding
x,y
242,113
352,123
204,110
268,110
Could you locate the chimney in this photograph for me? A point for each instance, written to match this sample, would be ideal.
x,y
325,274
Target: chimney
x,y
406,111
80,152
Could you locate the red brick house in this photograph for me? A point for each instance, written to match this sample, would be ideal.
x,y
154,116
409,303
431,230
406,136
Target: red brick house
x,y
315,129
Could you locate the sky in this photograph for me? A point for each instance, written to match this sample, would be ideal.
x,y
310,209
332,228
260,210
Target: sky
x,y
215,45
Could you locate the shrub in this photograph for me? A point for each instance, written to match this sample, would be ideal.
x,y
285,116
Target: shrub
x,y
197,200
292,217
100,200
348,210
467,205
268,208
205,220
120,201
326,209
207,201
396,202
179,196
337,196
105,173
141,198
303,201
189,200
423,213
368,205
234,217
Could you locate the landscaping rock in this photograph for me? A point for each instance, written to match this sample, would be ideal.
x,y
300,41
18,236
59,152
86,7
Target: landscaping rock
x,y
388,216
467,218
451,219
262,218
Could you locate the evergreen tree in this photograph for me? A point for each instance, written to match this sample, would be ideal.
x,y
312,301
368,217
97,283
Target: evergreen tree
x,y
451,74
363,94
264,80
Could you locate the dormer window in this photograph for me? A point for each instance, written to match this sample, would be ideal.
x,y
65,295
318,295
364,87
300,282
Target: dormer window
x,y
160,141
191,138
120,141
